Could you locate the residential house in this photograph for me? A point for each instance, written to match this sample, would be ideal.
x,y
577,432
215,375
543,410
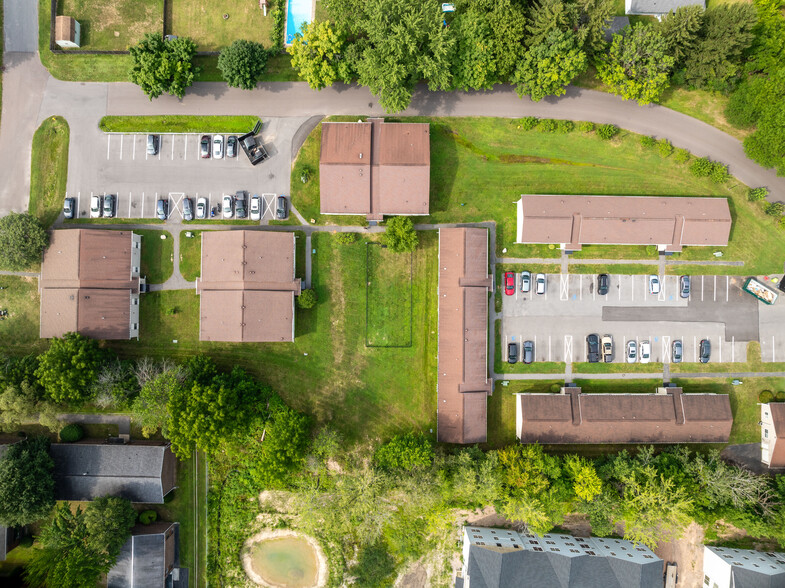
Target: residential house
x,y
724,567
150,559
658,8
772,434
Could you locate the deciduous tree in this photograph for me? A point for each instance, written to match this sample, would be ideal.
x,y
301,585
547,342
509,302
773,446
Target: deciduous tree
x,y
22,241
242,63
150,408
69,368
26,482
161,66
405,452
108,521
547,68
318,55
400,236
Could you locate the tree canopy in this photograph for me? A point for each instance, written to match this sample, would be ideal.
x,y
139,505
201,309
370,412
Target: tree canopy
x,y
547,68
26,482
242,63
160,66
318,55
68,369
22,241
405,452
400,236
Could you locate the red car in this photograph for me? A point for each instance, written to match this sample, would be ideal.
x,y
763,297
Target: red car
x,y
509,283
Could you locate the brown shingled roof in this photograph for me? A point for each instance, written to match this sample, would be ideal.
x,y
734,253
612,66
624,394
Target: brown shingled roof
x,y
247,286
463,383
777,410
671,417
375,168
65,28
671,222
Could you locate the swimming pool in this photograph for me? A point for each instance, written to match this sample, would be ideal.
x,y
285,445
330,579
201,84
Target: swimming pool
x,y
297,13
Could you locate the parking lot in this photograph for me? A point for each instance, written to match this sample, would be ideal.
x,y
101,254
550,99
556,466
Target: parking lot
x,y
119,164
559,320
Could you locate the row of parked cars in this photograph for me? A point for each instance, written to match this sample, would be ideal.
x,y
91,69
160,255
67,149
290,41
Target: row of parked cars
x,y
603,284
540,283
217,142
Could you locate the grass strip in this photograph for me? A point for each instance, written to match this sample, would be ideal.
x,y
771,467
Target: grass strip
x,y
191,255
49,169
157,254
389,297
178,124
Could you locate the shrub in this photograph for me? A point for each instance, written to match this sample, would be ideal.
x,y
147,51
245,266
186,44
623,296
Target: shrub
x,y
400,236
701,167
548,125
607,132
586,126
565,126
719,173
682,156
26,541
405,452
765,396
647,141
307,299
305,173
757,194
774,209
277,35
555,388
781,223
529,122
347,238
71,433
651,250
148,516
665,147
780,397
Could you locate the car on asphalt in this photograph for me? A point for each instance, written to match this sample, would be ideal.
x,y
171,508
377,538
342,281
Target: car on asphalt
x,y
684,286
227,206
528,351
95,206
204,147
240,202
509,283
153,141
603,284
281,210
188,209
218,147
607,348
69,205
593,348
654,284
677,351
231,146
256,207
162,209
512,353
705,351
632,352
109,201
201,207
526,281
540,283
645,352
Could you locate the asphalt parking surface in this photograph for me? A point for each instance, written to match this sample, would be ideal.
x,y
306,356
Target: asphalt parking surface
x,y
559,321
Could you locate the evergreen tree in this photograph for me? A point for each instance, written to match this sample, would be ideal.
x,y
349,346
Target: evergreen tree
x,y
681,30
547,16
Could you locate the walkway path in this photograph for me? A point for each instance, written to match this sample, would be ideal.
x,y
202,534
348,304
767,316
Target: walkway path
x,y
22,274
580,261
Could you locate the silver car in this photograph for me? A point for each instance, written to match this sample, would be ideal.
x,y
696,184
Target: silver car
x,y
540,282
218,147
188,209
678,351
526,281
632,352
201,208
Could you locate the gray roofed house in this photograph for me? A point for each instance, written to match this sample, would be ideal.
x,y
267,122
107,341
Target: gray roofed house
x,y
743,568
138,472
150,559
658,8
496,558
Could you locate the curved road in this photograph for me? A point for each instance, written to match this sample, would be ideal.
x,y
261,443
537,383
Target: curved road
x,y
30,94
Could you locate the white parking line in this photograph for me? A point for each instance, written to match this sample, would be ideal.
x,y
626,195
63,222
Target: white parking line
x,y
535,345
133,156
172,147
666,349
702,288
733,348
142,215
580,286
160,148
78,203
108,144
129,202
695,348
568,348
727,287
632,288
564,286
619,280
715,288
121,147
720,349
772,348
645,289
185,147
146,154
549,348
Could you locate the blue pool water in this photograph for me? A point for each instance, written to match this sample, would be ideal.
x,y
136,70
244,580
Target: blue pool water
x,y
297,13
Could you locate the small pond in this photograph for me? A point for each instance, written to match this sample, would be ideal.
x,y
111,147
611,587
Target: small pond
x,y
289,562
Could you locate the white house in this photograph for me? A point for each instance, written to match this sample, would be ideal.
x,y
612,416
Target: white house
x,y
772,434
724,567
658,8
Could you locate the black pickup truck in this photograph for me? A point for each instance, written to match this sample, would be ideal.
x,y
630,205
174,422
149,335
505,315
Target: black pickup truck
x,y
252,146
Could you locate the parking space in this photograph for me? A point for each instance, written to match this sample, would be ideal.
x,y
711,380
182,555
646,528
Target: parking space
x,y
559,321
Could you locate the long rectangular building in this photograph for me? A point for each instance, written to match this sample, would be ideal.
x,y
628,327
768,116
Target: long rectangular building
x,y
463,384
668,416
669,223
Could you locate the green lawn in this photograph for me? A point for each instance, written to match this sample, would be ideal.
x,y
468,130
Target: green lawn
x,y
648,386
156,255
621,268
389,296
191,255
753,364
501,409
612,368
239,124
327,371
113,25
49,169
615,252
19,330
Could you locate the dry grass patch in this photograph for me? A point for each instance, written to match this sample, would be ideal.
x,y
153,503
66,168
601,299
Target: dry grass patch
x,y
114,25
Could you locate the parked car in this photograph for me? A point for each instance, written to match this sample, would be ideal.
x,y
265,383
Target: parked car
x,y
603,284
218,147
152,144
69,205
654,284
540,283
593,348
512,353
528,351
109,201
256,207
607,348
227,206
201,207
684,286
632,352
645,352
204,147
188,209
95,206
231,146
526,281
705,351
240,200
162,209
282,209
677,351
509,283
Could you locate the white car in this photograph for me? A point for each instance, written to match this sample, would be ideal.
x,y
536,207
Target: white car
x,y
645,352
632,352
540,283
95,206
227,206
201,208
218,147
654,284
256,207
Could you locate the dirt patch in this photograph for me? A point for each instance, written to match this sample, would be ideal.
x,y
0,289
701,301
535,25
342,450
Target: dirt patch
x,y
273,534
487,517
687,553
577,525
416,577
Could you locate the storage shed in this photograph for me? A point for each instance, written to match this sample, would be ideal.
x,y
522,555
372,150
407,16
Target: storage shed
x,y
67,32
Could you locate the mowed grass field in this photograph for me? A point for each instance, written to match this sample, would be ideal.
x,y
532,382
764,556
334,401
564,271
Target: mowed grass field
x,y
19,330
191,255
156,255
204,22
389,296
113,25
49,169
